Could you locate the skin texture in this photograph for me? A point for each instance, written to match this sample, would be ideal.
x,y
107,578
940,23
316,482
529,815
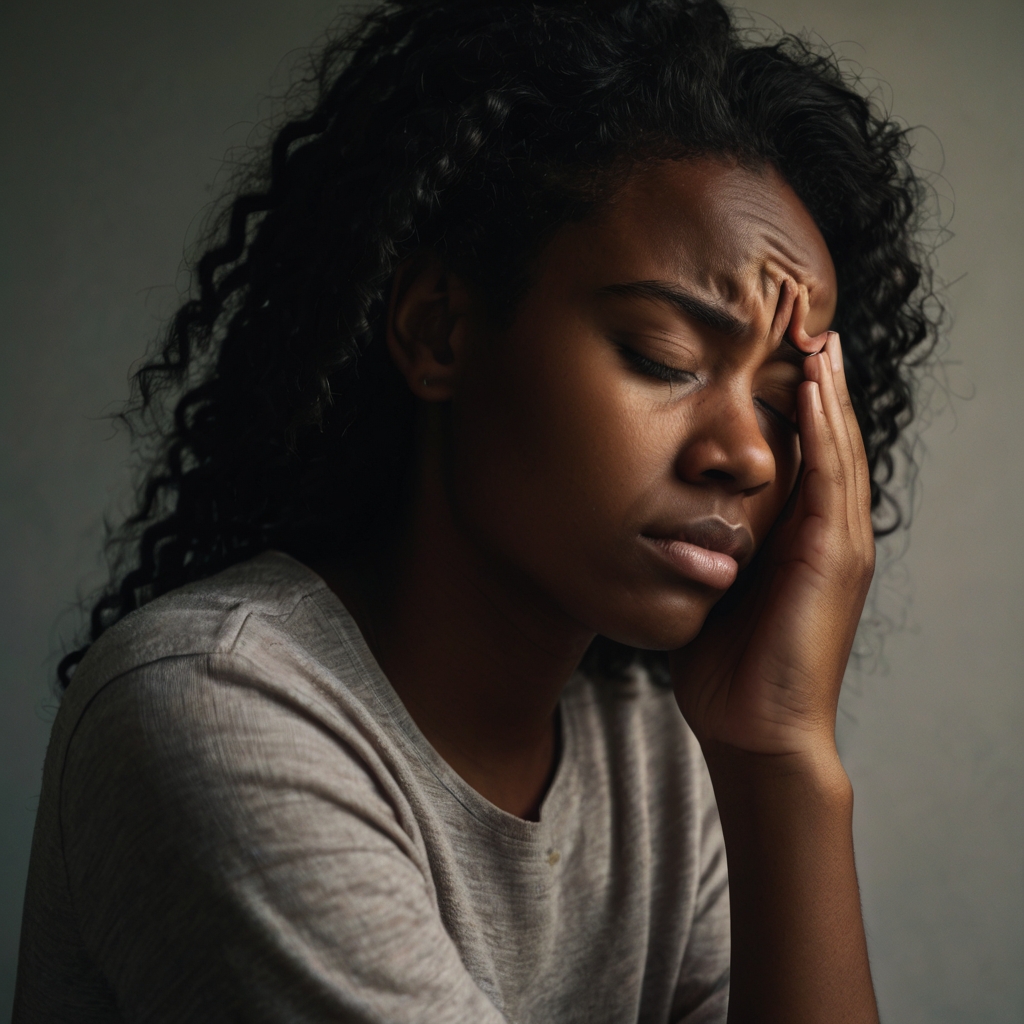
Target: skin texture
x,y
667,378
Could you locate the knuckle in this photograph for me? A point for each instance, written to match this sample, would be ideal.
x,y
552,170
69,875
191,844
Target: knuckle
x,y
865,567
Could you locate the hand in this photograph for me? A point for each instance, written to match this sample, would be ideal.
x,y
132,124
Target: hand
x,y
764,677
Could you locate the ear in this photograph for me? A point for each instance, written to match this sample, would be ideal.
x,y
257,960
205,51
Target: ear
x,y
428,321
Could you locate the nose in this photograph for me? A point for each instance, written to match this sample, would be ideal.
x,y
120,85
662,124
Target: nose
x,y
725,445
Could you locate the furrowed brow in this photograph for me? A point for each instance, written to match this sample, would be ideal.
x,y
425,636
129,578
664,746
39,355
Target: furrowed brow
x,y
697,309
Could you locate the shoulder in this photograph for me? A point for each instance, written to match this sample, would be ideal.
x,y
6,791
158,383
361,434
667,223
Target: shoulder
x,y
206,617
260,654
223,701
269,617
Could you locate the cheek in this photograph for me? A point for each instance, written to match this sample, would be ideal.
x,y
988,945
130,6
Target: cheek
x,y
764,509
554,456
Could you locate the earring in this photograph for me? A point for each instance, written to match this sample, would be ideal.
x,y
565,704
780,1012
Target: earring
x,y
426,382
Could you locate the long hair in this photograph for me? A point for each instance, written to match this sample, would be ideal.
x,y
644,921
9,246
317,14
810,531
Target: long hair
x,y
473,129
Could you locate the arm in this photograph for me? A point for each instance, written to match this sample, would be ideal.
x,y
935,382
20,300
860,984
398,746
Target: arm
x,y
798,947
760,688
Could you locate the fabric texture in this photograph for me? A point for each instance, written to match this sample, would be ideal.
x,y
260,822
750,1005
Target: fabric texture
x,y
239,821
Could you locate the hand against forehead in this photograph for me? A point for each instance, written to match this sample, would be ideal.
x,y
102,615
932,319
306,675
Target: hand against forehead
x,y
795,309
765,677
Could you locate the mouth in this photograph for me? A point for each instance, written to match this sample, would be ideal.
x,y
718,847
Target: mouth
x,y
709,551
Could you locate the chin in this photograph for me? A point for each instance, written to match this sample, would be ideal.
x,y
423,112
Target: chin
x,y
658,625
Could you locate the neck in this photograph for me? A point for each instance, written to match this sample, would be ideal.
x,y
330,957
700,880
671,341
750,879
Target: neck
x,y
477,655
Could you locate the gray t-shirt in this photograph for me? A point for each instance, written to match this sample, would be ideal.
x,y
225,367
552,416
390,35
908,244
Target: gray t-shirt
x,y
239,821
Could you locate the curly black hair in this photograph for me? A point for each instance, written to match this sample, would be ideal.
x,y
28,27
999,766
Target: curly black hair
x,y
473,129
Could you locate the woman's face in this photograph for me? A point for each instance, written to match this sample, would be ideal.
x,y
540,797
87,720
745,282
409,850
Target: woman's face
x,y
629,441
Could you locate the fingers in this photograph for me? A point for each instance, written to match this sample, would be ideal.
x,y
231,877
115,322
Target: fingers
x,y
862,477
843,443
797,309
794,306
819,368
824,366
823,492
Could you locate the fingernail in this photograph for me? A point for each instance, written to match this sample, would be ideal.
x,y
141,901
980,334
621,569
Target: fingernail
x,y
818,407
835,353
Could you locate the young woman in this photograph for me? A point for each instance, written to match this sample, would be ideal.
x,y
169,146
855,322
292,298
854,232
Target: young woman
x,y
557,336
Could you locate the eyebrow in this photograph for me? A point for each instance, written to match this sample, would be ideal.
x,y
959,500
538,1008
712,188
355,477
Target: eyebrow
x,y
697,309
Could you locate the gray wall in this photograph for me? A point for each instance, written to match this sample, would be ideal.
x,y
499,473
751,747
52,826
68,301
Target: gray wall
x,y
116,117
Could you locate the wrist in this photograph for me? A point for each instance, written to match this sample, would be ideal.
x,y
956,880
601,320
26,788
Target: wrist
x,y
813,778
798,947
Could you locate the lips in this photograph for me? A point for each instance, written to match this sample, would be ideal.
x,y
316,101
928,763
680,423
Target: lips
x,y
716,534
707,551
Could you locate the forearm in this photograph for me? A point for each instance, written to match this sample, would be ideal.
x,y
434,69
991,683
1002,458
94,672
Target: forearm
x,y
798,950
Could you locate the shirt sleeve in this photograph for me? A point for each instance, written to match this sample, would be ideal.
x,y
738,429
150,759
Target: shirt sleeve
x,y
230,857
702,992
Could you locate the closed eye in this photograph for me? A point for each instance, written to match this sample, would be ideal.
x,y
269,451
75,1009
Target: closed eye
x,y
650,368
781,418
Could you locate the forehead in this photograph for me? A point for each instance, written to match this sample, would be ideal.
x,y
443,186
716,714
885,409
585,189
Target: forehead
x,y
732,232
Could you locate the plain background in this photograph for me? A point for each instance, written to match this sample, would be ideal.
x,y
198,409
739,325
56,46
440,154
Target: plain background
x,y
116,119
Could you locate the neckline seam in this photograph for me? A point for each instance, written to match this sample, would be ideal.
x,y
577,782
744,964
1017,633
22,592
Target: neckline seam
x,y
488,814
